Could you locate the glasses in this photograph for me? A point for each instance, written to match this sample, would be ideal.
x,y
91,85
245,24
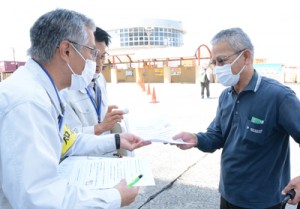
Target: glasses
x,y
223,60
94,50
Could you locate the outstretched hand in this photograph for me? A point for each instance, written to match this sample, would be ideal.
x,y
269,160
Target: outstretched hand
x,y
186,137
131,141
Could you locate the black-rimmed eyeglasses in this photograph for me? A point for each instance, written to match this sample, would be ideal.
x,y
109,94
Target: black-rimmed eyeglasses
x,y
221,60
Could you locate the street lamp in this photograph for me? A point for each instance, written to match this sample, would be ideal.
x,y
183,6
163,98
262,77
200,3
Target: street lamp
x,y
148,31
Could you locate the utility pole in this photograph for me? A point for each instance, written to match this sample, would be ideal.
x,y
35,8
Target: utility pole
x,y
14,58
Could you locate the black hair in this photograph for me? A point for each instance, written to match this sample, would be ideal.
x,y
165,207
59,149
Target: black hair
x,y
102,35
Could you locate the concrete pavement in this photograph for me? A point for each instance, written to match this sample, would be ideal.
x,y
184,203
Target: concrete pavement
x,y
184,179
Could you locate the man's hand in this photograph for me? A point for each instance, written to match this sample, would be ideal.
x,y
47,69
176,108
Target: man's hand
x,y
127,193
110,120
131,142
293,184
186,137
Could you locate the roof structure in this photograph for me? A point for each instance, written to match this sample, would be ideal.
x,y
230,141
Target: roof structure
x,y
157,54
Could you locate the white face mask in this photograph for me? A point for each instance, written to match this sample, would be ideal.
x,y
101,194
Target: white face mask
x,y
79,82
225,76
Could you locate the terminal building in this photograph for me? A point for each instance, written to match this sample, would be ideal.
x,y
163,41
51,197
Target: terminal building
x,y
142,33
152,50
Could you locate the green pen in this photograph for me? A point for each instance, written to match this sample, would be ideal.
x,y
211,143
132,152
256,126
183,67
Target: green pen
x,y
135,181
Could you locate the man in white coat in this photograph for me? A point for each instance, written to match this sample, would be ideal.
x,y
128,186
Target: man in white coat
x,y
62,55
87,110
90,111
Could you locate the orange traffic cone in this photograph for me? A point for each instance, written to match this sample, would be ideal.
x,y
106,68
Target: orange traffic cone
x,y
154,96
148,90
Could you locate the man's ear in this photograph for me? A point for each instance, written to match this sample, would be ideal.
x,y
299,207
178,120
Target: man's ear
x,y
248,56
64,50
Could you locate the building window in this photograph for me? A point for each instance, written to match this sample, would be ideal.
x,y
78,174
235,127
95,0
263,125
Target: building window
x,y
158,36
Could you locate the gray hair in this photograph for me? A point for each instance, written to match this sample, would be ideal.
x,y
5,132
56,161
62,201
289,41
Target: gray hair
x,y
236,38
55,26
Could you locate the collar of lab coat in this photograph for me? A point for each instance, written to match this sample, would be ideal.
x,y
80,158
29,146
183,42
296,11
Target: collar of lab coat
x,y
44,80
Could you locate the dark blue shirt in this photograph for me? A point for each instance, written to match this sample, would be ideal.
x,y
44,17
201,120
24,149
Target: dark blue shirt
x,y
253,128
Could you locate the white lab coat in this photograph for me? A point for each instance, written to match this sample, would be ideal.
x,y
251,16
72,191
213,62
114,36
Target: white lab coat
x,y
81,114
30,148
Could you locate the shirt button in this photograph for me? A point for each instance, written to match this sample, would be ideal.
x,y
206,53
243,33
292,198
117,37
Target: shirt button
x,y
238,101
236,112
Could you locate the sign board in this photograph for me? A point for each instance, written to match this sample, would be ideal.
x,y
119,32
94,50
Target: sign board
x,y
159,72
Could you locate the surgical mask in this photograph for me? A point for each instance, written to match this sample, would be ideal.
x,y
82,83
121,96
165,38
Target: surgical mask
x,y
225,76
79,82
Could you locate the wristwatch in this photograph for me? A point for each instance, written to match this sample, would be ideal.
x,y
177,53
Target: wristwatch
x,y
118,141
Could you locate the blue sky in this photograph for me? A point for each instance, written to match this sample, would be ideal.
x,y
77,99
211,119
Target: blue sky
x,y
273,26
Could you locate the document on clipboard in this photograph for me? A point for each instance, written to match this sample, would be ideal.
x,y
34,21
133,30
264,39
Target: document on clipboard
x,y
101,173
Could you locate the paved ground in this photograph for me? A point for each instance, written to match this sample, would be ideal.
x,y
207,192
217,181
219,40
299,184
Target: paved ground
x,y
184,179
